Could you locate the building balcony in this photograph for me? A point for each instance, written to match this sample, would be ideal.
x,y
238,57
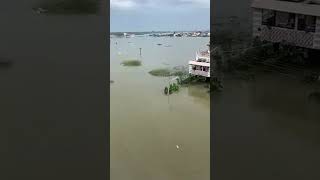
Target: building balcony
x,y
196,63
291,36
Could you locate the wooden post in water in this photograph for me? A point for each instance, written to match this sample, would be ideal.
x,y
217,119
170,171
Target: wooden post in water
x,y
140,51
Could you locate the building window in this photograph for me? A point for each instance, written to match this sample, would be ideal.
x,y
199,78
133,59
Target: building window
x,y
268,17
285,20
306,23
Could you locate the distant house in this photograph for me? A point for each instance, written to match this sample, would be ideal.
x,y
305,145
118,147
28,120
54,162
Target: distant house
x,y
296,22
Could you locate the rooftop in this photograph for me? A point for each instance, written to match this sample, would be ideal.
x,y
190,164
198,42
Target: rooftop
x,y
307,7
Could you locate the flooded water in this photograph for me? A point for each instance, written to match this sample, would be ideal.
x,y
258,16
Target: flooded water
x,y
154,136
266,129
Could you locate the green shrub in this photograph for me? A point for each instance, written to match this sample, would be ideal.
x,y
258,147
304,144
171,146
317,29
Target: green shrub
x,y
172,88
164,72
131,63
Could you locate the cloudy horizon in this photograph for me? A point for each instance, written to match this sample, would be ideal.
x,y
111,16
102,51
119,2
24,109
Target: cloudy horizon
x,y
159,15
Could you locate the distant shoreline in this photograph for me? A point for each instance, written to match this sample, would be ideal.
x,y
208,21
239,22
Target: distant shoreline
x,y
150,32
163,34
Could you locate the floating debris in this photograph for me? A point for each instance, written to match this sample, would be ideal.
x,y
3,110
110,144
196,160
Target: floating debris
x,y
168,46
131,63
177,147
159,44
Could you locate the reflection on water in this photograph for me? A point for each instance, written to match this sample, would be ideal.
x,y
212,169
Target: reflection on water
x,y
154,136
266,129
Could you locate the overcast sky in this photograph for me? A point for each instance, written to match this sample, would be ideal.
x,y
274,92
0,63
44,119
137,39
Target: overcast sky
x,y
159,15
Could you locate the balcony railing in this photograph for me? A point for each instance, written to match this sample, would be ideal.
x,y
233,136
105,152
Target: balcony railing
x,y
298,38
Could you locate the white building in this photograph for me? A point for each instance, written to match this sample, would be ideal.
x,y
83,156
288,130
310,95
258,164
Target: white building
x,y
296,22
201,65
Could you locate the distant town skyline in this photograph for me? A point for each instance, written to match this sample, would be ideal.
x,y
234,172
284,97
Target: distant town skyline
x,y
159,15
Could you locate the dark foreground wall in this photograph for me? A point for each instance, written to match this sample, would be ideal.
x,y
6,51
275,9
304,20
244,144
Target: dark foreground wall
x,y
222,9
53,98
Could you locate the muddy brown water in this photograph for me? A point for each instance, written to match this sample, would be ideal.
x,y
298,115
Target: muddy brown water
x,y
154,136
